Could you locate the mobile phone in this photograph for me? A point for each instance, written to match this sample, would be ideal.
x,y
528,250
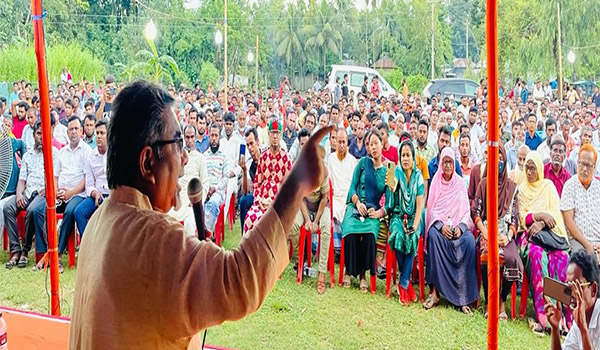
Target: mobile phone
x,y
242,151
557,290
113,90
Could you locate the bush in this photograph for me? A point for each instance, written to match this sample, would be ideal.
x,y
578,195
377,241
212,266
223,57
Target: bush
x,y
416,83
18,62
395,79
209,74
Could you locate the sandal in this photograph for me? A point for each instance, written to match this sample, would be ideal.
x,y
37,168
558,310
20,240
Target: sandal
x,y
536,327
466,310
503,316
363,286
321,287
12,262
430,302
23,261
346,283
41,265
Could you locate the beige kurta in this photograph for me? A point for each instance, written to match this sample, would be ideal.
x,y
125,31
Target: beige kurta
x,y
142,283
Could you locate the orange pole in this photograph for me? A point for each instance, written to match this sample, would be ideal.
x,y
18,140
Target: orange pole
x,y
492,173
40,54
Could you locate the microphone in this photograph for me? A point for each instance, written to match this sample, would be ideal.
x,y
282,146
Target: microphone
x,y
194,191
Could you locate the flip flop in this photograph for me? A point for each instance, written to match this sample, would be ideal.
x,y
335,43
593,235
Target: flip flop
x,y
536,328
466,310
346,283
364,286
503,316
430,302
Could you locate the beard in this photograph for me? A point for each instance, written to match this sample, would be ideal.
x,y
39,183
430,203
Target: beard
x,y
214,148
422,143
341,154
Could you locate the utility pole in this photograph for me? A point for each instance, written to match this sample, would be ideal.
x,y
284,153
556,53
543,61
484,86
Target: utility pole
x,y
432,40
560,57
467,41
256,59
226,107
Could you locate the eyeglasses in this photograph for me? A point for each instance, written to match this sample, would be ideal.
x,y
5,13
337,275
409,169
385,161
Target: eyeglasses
x,y
585,165
178,141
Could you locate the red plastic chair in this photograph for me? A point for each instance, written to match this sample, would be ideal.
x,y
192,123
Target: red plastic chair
x,y
220,226
231,214
391,267
20,228
70,245
303,238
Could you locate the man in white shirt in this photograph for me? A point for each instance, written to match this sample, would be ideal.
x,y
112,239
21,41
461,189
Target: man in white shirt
x,y
27,136
30,195
230,146
544,148
583,277
340,167
195,168
96,186
70,181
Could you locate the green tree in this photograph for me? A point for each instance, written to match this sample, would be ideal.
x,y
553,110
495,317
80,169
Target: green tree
x,y
322,34
157,67
289,39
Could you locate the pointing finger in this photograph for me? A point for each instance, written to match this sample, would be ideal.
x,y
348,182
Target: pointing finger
x,y
318,136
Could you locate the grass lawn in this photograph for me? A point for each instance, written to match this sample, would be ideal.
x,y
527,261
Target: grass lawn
x,y
296,317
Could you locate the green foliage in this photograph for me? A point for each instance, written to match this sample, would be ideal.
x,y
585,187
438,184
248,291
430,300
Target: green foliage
x,y
395,78
18,62
159,68
416,83
208,74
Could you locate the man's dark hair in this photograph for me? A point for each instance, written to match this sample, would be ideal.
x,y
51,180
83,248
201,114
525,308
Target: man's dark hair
x,y
550,122
109,79
445,130
193,110
71,103
465,135
23,104
89,102
405,135
423,122
214,125
90,117
335,106
356,114
229,117
37,125
252,131
383,126
101,122
74,118
303,133
463,126
588,265
473,109
136,122
201,115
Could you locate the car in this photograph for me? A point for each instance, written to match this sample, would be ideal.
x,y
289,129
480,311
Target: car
x,y
586,85
458,87
356,76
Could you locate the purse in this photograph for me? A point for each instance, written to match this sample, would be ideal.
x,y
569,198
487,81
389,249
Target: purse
x,y
549,241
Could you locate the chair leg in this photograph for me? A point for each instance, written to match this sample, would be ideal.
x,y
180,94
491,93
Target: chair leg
x,y
301,255
231,214
388,270
309,249
4,239
373,284
341,278
524,296
331,262
513,300
479,277
71,249
421,257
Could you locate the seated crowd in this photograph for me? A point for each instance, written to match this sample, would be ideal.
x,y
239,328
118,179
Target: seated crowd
x,y
404,173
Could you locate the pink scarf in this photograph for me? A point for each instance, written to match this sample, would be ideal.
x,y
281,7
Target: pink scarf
x,y
448,199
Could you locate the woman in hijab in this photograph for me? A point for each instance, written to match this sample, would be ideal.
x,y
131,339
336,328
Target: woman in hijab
x,y
363,211
451,251
405,203
545,239
508,223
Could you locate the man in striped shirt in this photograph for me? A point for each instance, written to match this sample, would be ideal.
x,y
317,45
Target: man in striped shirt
x,y
217,167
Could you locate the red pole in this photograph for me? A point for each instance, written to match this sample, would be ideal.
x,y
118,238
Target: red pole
x,y
492,173
40,54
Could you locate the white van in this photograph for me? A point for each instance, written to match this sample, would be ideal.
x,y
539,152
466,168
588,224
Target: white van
x,y
356,76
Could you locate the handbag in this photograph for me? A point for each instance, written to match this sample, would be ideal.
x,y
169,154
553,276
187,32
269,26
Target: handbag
x,y
549,241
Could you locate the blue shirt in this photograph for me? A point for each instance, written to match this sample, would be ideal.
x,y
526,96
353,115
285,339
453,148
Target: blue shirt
x,y
358,153
203,144
533,142
434,165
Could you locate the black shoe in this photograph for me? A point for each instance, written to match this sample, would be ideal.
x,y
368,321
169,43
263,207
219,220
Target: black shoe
x,y
23,261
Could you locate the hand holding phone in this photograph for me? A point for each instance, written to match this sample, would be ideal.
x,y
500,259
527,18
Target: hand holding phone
x,y
242,152
557,290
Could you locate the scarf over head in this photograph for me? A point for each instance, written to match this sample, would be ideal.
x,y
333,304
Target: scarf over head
x,y
448,200
506,188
